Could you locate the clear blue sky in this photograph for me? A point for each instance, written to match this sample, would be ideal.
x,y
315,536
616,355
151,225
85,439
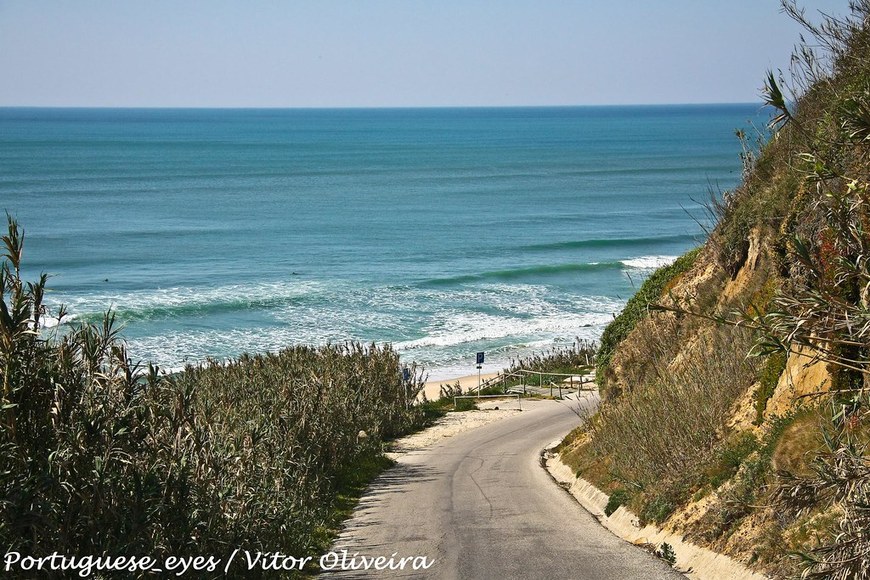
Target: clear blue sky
x,y
364,53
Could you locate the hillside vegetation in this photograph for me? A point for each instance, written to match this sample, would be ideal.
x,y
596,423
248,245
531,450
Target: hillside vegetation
x,y
736,403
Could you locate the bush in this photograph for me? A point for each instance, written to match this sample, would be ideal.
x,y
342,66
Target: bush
x,y
570,360
666,553
731,456
658,509
618,498
768,379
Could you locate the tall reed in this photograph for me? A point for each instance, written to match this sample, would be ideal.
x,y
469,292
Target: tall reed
x,y
101,456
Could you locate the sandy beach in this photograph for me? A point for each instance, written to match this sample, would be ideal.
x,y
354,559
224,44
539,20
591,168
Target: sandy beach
x,y
432,389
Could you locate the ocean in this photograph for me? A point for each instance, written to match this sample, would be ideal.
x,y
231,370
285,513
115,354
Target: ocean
x,y
443,231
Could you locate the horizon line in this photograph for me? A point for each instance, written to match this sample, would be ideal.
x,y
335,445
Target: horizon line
x,y
377,107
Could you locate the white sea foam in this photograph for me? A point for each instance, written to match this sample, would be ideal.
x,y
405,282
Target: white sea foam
x,y
473,327
48,321
183,296
444,341
649,262
432,326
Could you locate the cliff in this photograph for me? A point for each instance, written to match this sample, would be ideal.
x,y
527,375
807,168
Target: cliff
x,y
735,382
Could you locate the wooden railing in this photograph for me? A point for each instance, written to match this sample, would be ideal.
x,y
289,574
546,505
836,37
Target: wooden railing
x,y
575,382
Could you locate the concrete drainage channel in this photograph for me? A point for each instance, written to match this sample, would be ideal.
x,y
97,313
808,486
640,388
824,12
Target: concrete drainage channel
x,y
693,561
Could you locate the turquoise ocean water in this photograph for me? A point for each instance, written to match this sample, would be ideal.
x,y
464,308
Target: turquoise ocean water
x,y
443,231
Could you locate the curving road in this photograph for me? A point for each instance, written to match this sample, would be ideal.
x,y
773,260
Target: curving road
x,y
481,506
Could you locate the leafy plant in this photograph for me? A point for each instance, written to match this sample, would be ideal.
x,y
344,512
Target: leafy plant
x,y
767,381
666,553
731,457
617,498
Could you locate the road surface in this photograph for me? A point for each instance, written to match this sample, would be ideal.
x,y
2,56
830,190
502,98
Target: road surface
x,y
479,505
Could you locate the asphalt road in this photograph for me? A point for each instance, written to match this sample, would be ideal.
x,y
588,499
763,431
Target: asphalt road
x,y
479,505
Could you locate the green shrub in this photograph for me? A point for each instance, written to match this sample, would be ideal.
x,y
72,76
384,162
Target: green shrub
x,y
617,498
768,379
465,405
574,359
666,553
658,509
731,456
749,488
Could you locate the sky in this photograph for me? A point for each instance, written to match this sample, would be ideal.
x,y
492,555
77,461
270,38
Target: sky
x,y
390,53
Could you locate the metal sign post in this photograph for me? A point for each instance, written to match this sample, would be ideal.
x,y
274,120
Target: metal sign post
x,y
480,357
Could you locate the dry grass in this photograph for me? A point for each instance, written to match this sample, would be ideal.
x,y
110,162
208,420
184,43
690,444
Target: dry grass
x,y
662,429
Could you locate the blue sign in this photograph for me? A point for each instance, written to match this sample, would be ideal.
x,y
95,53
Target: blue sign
x,y
480,358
